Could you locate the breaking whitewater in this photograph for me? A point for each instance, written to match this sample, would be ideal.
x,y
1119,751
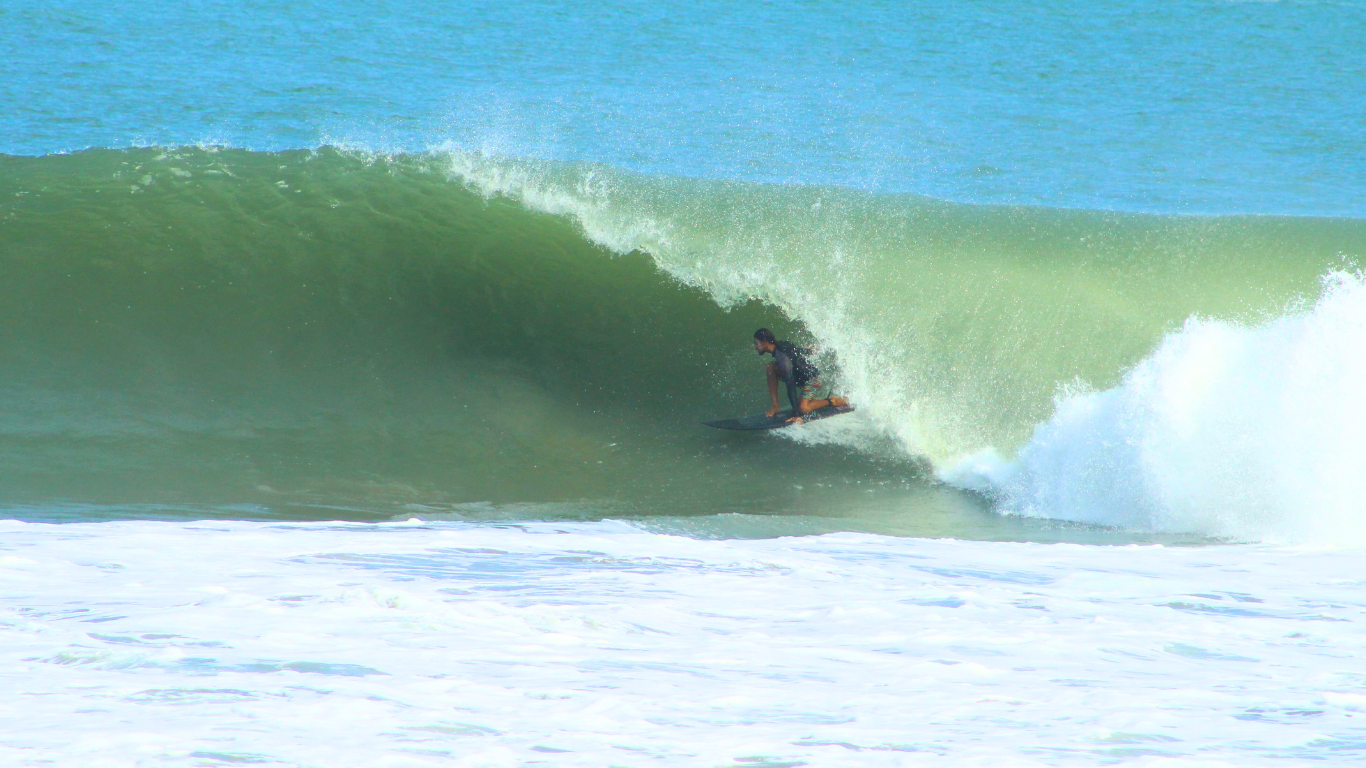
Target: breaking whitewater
x,y
588,644
1101,501
328,333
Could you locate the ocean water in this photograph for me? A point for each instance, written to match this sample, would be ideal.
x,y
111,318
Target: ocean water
x,y
353,358
586,644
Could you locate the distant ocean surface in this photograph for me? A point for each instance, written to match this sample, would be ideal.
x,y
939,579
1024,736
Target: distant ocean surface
x,y
417,307
1202,107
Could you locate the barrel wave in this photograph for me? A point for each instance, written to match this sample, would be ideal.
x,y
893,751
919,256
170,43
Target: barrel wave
x,y
335,333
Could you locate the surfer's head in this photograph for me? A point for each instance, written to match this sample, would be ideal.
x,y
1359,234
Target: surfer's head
x,y
763,340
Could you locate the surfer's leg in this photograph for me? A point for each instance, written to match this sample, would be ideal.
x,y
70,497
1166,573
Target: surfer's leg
x,y
807,406
815,396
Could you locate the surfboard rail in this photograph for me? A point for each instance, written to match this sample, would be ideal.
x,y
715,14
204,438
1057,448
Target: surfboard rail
x,y
779,420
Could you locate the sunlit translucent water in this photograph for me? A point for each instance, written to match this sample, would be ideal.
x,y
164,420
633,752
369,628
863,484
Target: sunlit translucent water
x,y
487,264
289,327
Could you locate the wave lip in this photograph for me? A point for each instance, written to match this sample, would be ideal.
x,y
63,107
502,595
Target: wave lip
x,y
329,333
1246,433
952,324
204,326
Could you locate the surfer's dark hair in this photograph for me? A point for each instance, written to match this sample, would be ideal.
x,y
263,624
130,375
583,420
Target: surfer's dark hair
x,y
765,335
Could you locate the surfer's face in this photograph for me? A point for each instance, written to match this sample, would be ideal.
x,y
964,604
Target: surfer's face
x,y
759,347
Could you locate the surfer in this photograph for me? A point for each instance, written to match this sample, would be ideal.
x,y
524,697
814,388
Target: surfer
x,y
791,366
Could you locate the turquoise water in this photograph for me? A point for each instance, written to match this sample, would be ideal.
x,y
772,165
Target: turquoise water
x,y
495,261
1194,107
352,359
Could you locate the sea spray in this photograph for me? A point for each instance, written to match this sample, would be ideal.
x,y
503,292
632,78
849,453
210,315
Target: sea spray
x,y
952,324
1245,432
346,333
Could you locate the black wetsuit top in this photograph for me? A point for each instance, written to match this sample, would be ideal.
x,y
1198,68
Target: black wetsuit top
x,y
794,369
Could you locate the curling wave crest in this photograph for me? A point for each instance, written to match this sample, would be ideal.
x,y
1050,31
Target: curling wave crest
x,y
345,332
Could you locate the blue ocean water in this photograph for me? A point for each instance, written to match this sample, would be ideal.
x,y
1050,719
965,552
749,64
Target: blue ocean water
x,y
468,274
1192,106
237,234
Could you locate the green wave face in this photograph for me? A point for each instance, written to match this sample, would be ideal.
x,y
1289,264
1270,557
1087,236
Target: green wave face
x,y
955,325
331,334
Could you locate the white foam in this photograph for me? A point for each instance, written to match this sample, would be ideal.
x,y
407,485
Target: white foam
x,y
1249,433
149,643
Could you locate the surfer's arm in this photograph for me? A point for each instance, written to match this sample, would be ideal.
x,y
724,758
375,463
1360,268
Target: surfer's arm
x,y
772,369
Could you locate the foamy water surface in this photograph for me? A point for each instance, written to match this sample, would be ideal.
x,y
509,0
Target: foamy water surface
x,y
1088,273
201,644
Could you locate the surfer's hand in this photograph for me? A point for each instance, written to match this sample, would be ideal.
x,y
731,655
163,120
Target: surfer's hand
x,y
796,420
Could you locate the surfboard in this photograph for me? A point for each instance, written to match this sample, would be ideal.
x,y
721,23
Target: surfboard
x,y
779,420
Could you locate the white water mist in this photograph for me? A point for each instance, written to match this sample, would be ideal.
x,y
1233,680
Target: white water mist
x,y
1251,433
